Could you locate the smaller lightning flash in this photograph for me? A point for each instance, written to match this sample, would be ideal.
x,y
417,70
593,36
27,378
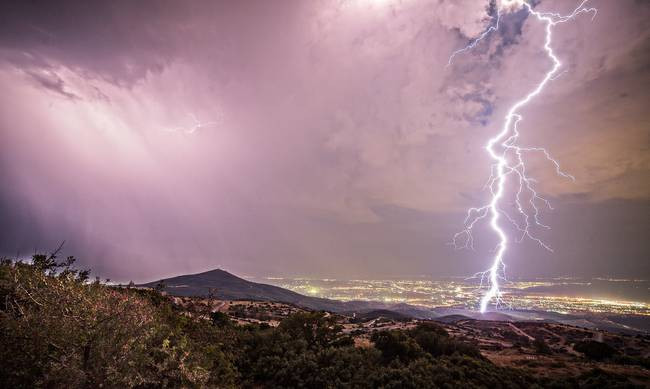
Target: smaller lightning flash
x,y
510,161
196,125
476,41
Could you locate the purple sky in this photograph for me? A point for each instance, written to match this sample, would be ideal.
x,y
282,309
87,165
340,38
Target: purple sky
x,y
337,142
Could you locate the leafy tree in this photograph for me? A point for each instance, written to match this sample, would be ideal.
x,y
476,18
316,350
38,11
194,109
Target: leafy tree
x,y
220,319
433,339
318,329
396,345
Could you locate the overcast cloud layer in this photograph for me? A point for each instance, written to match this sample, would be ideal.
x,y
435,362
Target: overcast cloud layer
x,y
336,141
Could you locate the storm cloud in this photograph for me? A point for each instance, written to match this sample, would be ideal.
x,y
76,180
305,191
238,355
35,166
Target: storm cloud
x,y
338,141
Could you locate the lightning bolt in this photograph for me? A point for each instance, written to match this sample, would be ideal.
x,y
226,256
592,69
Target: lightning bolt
x,y
509,163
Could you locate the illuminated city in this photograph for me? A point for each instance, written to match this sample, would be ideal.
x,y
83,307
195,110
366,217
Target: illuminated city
x,y
461,293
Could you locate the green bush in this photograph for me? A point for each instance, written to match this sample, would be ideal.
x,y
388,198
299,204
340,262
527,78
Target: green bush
x,y
396,345
220,319
436,341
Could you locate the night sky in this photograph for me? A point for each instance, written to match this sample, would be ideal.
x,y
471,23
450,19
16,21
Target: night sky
x,y
334,140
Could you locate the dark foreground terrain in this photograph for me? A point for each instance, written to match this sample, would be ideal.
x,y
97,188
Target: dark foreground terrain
x,y
57,329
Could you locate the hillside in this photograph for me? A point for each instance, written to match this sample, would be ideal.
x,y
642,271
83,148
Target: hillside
x,y
226,286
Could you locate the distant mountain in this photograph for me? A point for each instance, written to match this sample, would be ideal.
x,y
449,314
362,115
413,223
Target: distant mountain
x,y
227,286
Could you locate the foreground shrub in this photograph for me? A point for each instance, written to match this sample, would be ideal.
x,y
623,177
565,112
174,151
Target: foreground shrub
x,y
58,330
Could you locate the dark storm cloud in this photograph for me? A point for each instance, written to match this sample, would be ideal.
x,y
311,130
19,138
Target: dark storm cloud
x,y
338,141
118,40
